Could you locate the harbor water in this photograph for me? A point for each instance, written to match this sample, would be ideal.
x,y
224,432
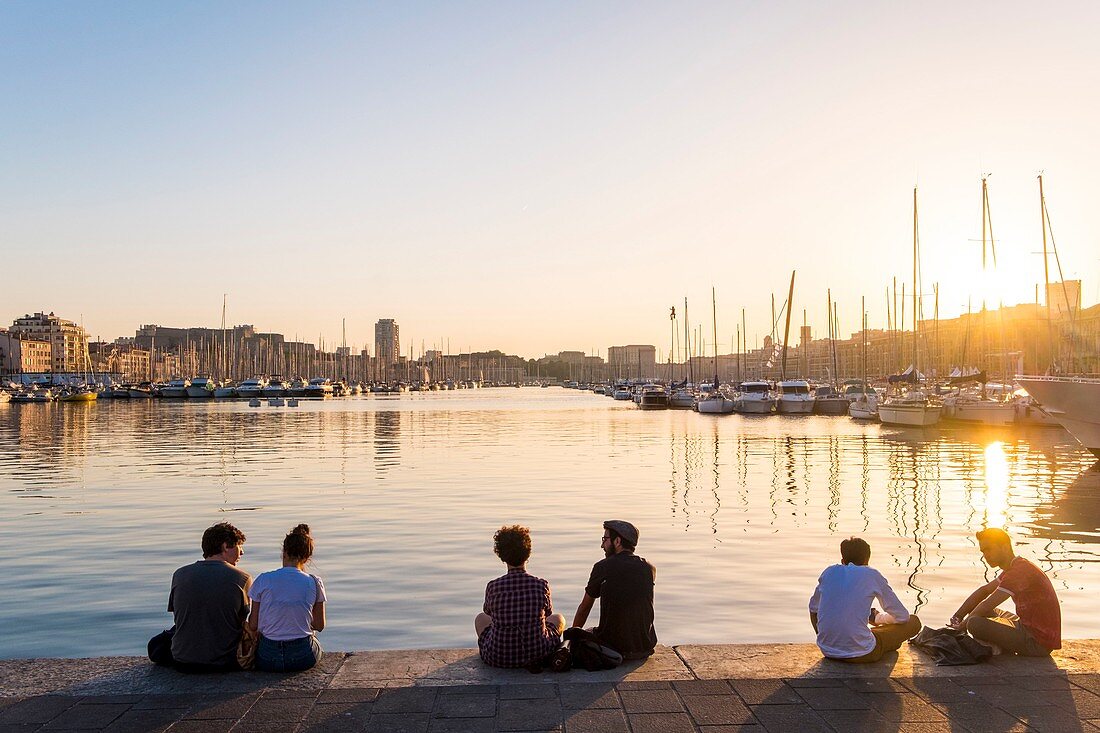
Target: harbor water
x,y
100,502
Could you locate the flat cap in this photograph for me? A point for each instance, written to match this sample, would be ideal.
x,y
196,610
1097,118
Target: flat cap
x,y
626,530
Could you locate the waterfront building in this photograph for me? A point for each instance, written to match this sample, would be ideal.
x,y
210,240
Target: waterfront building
x,y
635,361
19,356
68,341
387,347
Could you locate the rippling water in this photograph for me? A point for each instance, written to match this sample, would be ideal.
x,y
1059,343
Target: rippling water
x,y
99,503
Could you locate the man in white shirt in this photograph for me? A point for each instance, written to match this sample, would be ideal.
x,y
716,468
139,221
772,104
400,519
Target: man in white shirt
x,y
848,628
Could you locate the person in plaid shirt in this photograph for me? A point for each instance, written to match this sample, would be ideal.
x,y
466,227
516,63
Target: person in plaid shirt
x,y
518,626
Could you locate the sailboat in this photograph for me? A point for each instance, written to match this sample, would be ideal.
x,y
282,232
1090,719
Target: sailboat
x,y
792,395
911,407
968,404
683,396
714,402
864,407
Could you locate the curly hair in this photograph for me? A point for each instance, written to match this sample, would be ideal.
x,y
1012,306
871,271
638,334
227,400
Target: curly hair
x,y
215,537
512,544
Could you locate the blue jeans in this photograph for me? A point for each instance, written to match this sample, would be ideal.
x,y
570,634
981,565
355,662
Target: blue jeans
x,y
287,656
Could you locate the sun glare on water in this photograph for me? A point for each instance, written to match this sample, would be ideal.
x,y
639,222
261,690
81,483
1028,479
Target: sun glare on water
x,y
996,485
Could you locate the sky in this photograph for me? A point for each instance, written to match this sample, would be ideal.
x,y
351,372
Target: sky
x,y
536,176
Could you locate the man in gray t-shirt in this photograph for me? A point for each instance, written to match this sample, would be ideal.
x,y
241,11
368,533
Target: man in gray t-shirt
x,y
209,601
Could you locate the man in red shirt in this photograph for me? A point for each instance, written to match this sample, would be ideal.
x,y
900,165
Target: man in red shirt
x,y
1037,629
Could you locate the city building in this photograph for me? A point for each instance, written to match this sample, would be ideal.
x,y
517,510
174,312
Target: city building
x,y
68,341
20,357
387,346
636,361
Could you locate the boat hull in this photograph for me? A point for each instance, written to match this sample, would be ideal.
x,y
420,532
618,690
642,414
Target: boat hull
x,y
79,397
1074,403
682,400
174,393
755,407
794,406
716,406
916,416
199,393
826,406
985,413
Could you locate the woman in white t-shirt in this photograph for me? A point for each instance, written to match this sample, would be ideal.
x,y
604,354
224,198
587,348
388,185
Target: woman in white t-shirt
x,y
288,608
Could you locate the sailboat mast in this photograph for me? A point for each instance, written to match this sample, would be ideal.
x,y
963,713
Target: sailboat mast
x,y
1046,271
787,328
687,345
714,321
916,370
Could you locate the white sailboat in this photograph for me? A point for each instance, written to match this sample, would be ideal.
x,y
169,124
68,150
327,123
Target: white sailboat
x,y
713,402
911,407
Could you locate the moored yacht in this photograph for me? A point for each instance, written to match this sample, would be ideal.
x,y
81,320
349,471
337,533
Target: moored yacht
x,y
1073,401
653,397
754,398
911,409
176,388
201,388
793,397
682,398
251,388
225,390
713,402
319,387
276,387
827,401
141,391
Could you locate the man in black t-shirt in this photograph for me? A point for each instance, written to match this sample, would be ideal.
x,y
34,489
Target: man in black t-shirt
x,y
624,584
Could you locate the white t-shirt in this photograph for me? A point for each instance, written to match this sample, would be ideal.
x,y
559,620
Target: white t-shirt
x,y
842,602
286,597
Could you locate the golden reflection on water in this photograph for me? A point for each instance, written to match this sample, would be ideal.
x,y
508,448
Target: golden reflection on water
x,y
996,485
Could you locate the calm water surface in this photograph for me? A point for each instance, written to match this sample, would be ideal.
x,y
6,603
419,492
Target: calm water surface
x,y
99,503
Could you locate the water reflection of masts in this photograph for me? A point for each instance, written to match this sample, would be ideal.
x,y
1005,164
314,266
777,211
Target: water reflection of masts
x,y
905,474
865,482
387,440
834,482
714,491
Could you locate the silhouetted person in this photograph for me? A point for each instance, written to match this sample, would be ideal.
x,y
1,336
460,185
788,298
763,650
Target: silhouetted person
x,y
624,584
848,628
209,602
1037,630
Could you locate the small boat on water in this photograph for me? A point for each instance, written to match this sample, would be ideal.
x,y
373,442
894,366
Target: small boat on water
x,y
910,409
864,408
175,389
276,387
714,402
140,391
653,397
201,388
793,397
319,387
251,388
682,398
827,401
299,387
82,393
622,392
754,398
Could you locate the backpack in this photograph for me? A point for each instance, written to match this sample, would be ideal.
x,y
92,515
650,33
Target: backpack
x,y
588,653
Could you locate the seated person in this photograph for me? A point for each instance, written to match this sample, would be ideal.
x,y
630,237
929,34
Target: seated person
x,y
848,628
1037,630
288,608
518,627
209,602
624,584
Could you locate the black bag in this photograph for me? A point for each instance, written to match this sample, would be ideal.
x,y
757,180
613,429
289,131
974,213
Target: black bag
x,y
588,653
559,660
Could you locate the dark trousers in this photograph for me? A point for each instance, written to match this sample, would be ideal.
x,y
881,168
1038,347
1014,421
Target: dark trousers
x,y
160,653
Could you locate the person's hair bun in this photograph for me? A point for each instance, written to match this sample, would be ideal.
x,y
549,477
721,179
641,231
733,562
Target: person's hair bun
x,y
301,529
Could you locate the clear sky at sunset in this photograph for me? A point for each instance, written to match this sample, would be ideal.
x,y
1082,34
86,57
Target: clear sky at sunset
x,y
534,176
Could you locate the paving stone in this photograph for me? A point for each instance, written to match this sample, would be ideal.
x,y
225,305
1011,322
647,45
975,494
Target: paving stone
x,y
270,727
1087,681
765,692
144,721
1049,717
527,692
1060,682
221,708
1084,703
595,721
905,708
595,695
37,710
290,693
398,723
661,723
337,717
718,710
979,716
875,684
936,689
701,687
158,702
203,726
124,698
8,701
864,721
465,706
348,694
529,715
835,698
462,725
941,727
278,710
799,682
405,700
747,728
787,718
650,701
644,685
468,689
87,716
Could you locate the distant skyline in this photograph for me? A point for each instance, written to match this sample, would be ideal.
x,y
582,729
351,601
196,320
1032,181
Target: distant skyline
x,y
535,177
